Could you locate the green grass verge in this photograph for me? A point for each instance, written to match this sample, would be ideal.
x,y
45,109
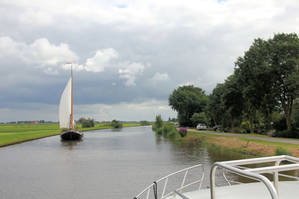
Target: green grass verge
x,y
280,145
16,133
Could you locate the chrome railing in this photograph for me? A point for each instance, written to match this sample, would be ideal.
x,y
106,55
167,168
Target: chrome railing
x,y
237,167
165,182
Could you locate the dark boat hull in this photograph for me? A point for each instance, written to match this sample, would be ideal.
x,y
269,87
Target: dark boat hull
x,y
71,135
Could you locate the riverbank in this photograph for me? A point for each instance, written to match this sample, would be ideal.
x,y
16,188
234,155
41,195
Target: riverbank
x,y
18,133
248,145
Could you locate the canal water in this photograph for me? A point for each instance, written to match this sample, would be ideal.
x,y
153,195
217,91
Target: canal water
x,y
107,164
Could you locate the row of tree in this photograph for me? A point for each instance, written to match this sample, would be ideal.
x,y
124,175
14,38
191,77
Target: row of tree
x,y
262,90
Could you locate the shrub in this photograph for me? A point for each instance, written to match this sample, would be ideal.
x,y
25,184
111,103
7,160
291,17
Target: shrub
x,y
144,123
182,131
293,133
158,123
159,131
239,130
245,126
226,129
116,124
172,134
169,129
280,124
87,123
281,151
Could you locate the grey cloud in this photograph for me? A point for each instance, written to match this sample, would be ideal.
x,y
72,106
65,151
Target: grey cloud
x,y
190,45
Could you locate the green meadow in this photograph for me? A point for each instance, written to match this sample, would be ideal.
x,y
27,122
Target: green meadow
x,y
16,133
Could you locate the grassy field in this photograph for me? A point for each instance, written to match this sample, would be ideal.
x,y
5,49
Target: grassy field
x,y
244,145
16,133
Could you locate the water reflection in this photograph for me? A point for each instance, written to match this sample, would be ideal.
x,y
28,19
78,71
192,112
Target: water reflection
x,y
70,144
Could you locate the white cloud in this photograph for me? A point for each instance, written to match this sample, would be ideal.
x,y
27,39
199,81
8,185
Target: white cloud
x,y
109,58
39,17
160,77
41,52
146,110
130,71
200,15
100,60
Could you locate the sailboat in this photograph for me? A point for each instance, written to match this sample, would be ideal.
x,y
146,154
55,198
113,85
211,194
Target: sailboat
x,y
66,113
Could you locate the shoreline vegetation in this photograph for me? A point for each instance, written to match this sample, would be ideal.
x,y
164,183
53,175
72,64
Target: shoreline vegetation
x,y
17,133
245,146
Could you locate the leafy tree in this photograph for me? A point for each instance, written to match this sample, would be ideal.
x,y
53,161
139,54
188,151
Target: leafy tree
x,y
233,99
144,123
268,73
254,79
216,107
199,118
187,100
116,124
87,123
157,126
284,63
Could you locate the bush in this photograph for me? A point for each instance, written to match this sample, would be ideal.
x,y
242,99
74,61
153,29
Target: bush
x,y
144,123
293,133
281,151
87,123
172,134
169,130
239,130
280,124
116,124
226,129
245,126
159,131
158,123
182,131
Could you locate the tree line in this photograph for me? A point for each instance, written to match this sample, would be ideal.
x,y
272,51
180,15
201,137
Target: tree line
x,y
261,94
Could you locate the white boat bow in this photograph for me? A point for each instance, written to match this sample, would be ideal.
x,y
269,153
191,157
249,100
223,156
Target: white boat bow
x,y
260,189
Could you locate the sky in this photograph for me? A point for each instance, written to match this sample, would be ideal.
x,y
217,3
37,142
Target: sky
x,y
128,55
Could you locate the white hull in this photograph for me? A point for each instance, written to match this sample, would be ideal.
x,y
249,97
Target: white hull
x,y
262,188
287,190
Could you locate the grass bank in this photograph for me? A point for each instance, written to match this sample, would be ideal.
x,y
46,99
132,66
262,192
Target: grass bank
x,y
17,133
244,145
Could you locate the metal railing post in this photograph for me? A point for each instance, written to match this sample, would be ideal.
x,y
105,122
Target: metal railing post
x,y
212,180
276,177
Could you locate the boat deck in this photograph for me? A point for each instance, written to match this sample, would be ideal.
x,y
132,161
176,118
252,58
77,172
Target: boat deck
x,y
287,190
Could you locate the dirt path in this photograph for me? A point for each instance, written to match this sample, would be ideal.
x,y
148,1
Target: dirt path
x,y
270,139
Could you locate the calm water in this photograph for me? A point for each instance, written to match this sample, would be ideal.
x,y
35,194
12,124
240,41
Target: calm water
x,y
106,164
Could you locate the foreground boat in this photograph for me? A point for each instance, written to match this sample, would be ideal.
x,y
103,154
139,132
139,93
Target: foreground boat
x,y
66,113
260,188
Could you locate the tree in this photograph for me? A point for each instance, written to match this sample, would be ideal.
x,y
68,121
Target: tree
x,y
199,118
268,73
254,79
284,63
87,123
116,124
216,107
187,100
233,98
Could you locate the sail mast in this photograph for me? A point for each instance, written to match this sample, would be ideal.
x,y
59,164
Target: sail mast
x,y
72,109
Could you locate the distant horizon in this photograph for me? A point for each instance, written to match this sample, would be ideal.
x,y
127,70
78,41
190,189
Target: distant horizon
x,y
39,121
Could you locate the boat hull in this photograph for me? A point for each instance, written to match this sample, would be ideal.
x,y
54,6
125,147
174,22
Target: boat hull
x,y
71,135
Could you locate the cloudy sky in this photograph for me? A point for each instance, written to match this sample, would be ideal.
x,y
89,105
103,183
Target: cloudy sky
x,y
128,55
